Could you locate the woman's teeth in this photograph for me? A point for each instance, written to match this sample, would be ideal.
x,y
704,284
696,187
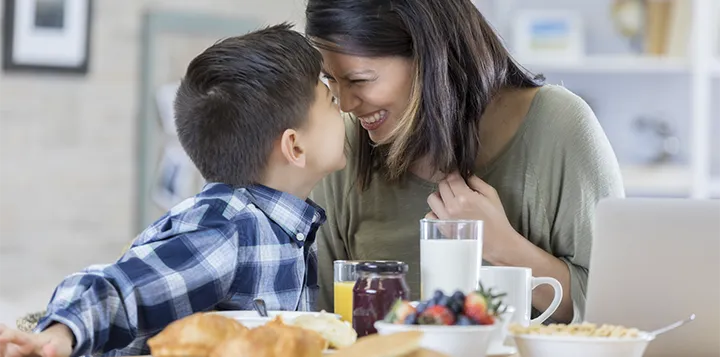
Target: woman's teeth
x,y
373,118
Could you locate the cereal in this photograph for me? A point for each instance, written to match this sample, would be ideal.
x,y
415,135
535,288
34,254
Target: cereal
x,y
584,329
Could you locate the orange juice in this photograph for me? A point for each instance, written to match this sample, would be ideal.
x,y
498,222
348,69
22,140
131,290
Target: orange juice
x,y
344,299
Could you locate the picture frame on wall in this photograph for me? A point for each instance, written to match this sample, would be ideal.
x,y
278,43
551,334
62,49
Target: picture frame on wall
x,y
47,35
549,35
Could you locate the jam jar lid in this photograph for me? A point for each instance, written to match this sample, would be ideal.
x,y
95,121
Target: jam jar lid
x,y
382,267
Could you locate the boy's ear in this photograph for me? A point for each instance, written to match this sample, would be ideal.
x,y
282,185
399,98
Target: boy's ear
x,y
291,149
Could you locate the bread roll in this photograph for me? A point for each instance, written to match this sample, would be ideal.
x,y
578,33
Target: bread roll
x,y
194,336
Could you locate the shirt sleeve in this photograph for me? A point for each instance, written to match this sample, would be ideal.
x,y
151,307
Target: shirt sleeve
x,y
112,306
585,171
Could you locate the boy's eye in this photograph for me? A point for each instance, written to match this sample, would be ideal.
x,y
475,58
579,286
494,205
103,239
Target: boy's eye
x,y
328,77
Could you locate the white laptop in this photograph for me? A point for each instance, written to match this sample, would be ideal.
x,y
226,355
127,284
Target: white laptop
x,y
656,261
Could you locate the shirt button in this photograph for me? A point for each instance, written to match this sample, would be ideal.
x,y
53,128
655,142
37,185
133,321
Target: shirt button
x,y
300,237
315,218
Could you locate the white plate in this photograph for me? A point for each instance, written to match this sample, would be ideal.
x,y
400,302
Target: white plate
x,y
251,319
502,351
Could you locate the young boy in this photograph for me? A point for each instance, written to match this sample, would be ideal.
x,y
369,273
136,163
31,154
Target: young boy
x,y
263,130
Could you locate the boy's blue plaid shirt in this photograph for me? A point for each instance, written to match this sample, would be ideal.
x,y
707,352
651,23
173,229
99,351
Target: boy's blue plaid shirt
x,y
216,251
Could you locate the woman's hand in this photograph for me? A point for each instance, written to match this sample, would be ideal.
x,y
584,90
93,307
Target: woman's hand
x,y
456,199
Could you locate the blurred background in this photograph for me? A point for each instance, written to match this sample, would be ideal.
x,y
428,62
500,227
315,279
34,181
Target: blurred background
x,y
88,156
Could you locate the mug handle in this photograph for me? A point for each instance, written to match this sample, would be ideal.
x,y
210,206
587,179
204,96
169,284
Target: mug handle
x,y
556,299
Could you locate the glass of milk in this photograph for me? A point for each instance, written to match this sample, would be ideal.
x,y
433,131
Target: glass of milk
x,y
450,255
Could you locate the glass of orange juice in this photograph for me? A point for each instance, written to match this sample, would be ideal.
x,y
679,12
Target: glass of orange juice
x,y
345,278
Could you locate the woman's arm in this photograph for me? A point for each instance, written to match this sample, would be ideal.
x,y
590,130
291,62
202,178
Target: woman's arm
x,y
518,251
580,170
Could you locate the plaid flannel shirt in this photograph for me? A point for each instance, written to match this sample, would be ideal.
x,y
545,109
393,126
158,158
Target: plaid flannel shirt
x,y
216,251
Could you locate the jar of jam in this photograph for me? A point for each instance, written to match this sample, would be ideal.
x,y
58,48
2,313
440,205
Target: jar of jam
x,y
379,285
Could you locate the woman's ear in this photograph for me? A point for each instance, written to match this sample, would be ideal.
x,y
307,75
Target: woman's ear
x,y
291,149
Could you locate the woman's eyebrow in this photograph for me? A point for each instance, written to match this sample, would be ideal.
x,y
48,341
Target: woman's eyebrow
x,y
358,72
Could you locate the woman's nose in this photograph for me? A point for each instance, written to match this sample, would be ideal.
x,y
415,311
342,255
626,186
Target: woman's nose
x,y
347,100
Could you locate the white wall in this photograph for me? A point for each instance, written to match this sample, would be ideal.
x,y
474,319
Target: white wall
x,y
67,152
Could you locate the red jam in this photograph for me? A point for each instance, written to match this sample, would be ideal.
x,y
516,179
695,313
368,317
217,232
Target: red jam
x,y
379,285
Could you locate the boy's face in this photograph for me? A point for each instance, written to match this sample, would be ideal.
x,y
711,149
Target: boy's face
x,y
326,133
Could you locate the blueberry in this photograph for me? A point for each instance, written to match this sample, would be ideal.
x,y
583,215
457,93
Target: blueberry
x,y
444,301
411,319
437,296
464,321
459,296
455,306
422,307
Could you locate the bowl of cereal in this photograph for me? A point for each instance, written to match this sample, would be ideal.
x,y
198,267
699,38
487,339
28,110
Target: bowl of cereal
x,y
585,339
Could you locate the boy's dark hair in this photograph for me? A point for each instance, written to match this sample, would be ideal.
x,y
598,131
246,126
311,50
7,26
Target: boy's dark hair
x,y
239,95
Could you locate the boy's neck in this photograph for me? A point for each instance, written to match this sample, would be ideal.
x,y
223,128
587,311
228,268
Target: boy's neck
x,y
292,183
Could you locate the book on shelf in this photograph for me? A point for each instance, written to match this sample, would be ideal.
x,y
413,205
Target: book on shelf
x,y
668,26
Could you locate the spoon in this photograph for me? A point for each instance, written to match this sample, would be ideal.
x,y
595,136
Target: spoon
x,y
261,309
672,326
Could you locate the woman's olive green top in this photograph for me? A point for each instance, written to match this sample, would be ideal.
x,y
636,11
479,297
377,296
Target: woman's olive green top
x,y
550,177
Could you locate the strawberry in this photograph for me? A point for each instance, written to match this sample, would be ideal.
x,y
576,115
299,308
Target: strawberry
x,y
476,306
399,312
437,315
483,306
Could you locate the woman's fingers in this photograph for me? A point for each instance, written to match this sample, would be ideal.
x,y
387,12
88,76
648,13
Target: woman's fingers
x,y
437,205
481,187
457,184
446,193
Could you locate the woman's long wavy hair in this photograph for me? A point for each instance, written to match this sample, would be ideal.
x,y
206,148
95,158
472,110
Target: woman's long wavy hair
x,y
460,62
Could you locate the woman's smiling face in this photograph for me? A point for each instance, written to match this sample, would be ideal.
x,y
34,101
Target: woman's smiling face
x,y
376,90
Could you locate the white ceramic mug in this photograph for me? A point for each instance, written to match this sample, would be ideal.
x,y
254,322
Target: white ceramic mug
x,y
518,283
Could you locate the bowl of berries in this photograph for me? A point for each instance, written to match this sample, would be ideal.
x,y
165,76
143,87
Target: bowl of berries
x,y
457,325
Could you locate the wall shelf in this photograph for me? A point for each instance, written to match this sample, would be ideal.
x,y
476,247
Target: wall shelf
x,y
613,64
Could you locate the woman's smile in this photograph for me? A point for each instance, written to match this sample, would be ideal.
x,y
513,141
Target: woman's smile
x,y
374,120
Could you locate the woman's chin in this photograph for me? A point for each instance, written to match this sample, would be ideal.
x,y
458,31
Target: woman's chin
x,y
379,136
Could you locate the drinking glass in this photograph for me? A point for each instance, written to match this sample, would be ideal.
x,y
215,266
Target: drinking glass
x,y
345,278
450,255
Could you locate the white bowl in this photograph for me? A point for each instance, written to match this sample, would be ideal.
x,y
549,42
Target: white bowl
x,y
573,346
497,339
454,341
251,319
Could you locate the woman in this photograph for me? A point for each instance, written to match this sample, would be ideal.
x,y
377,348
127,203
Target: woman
x,y
445,124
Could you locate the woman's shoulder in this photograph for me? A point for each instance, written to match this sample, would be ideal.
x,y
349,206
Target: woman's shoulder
x,y
560,119
556,109
564,135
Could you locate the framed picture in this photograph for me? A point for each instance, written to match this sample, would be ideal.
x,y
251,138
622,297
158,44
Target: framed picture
x,y
47,35
548,35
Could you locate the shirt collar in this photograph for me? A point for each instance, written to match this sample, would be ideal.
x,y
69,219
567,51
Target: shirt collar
x,y
294,215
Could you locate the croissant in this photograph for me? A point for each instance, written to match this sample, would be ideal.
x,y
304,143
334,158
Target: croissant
x,y
274,339
194,336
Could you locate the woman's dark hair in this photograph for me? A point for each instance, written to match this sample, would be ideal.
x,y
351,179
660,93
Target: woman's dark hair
x,y
460,64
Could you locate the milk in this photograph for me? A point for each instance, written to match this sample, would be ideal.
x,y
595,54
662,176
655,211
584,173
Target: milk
x,y
449,265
